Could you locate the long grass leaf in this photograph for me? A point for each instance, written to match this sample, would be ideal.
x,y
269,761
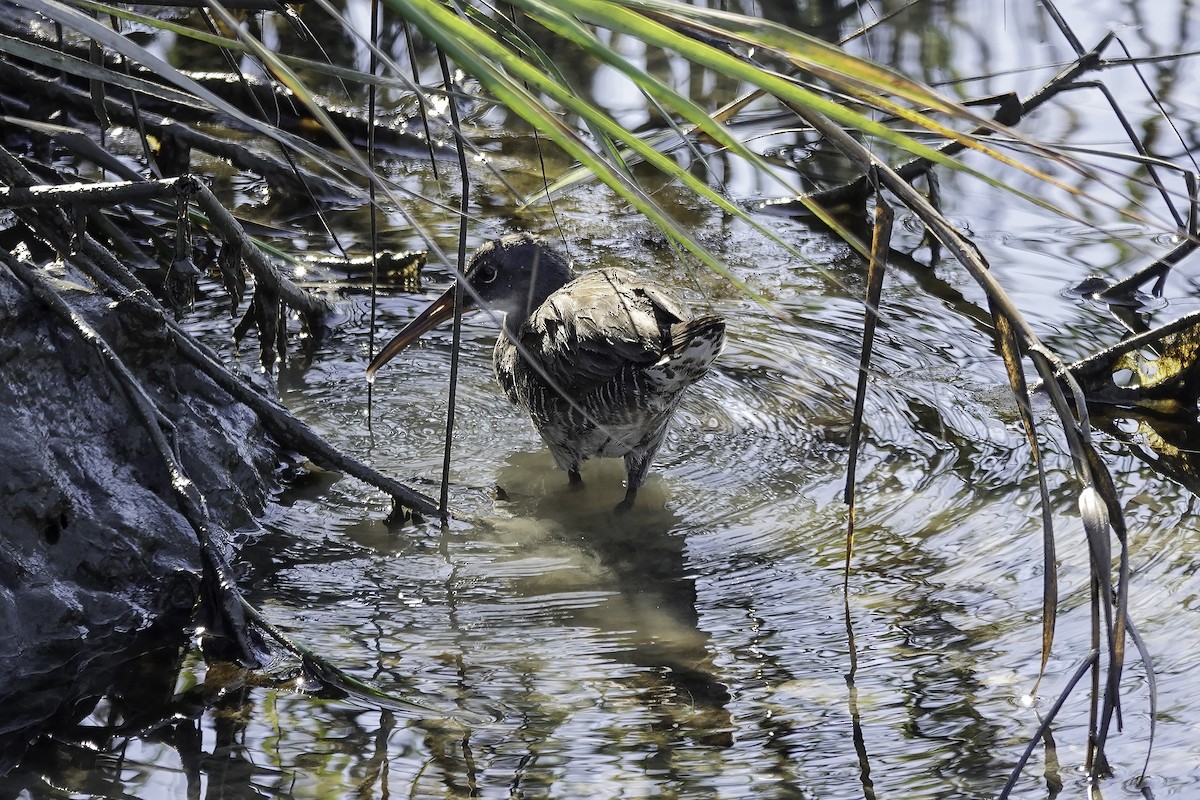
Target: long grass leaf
x,y
854,75
1010,351
881,243
505,74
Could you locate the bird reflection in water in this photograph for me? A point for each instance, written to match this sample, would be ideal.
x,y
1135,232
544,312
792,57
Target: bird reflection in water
x,y
638,564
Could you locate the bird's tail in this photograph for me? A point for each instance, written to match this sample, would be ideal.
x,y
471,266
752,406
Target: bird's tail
x,y
695,344
707,331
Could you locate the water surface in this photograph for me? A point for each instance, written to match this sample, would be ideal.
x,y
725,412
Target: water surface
x,y
701,645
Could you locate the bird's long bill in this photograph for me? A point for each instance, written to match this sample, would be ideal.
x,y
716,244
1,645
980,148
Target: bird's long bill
x,y
435,314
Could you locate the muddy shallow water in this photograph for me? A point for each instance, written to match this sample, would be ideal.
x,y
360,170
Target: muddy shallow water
x,y
700,645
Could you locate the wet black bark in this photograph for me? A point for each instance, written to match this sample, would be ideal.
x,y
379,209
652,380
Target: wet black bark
x,y
100,563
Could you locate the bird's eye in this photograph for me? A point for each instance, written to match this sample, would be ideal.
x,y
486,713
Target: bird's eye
x,y
485,274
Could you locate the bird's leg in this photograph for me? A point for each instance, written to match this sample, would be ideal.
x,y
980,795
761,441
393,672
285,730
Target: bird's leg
x,y
637,464
627,503
574,479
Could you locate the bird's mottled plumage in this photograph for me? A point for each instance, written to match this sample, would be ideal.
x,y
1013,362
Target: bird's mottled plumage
x,y
598,362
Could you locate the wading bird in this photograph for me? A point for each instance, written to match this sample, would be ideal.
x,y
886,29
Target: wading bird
x,y
599,362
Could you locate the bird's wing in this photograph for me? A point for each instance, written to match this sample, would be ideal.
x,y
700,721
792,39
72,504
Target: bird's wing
x,y
599,325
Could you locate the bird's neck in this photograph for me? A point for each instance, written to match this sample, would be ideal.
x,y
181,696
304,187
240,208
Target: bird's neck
x,y
552,273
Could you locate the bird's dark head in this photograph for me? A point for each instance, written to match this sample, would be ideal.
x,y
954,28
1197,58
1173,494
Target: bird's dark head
x,y
512,276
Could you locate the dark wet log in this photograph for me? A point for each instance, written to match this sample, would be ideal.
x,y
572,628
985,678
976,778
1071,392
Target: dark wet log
x,y
128,454
101,559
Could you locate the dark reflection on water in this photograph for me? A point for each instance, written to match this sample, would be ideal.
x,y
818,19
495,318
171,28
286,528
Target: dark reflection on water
x,y
651,594
121,693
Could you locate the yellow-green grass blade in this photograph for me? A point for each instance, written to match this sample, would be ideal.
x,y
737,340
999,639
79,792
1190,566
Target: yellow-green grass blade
x,y
491,62
615,15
